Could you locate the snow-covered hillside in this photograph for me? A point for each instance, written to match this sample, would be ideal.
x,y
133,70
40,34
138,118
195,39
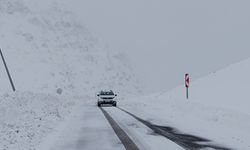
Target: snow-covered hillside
x,y
46,48
218,107
227,88
56,65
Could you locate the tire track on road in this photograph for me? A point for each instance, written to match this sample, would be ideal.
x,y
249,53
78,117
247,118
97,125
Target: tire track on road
x,y
186,141
124,138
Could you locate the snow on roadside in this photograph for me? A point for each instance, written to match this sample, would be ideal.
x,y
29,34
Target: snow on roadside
x,y
218,108
224,127
26,117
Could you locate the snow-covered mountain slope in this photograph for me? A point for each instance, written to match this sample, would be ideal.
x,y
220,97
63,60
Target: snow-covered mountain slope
x,y
227,88
218,107
46,48
56,65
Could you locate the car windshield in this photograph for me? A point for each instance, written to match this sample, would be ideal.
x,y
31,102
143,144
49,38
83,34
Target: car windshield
x,y
107,93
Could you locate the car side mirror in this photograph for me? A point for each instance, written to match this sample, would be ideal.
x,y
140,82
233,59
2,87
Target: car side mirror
x,y
98,94
115,94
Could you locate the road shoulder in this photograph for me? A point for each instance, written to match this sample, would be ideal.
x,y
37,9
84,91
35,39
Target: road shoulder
x,y
87,129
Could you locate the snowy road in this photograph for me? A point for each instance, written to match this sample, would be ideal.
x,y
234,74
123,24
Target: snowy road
x,y
124,138
144,137
110,128
184,140
87,129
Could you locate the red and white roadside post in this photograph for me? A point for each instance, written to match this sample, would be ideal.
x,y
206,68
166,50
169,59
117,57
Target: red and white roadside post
x,y
187,80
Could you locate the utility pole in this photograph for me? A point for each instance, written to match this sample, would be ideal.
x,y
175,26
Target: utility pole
x,y
8,73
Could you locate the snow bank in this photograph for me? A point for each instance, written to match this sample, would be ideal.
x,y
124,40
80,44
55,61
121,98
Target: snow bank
x,y
26,118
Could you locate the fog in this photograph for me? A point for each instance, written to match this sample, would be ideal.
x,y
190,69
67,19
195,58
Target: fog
x,y
166,39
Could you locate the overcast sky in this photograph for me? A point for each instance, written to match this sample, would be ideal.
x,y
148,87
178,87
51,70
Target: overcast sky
x,y
165,39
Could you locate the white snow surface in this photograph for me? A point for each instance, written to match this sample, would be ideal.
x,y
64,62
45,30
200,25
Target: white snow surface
x,y
26,118
56,65
46,48
87,128
218,107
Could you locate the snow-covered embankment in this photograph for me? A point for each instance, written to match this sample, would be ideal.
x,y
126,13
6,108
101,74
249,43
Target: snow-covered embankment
x,y
218,107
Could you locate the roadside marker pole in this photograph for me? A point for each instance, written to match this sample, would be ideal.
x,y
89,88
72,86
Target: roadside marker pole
x,y
8,73
187,84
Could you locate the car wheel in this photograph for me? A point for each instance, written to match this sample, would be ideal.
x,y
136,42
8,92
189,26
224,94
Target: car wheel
x,y
99,105
114,104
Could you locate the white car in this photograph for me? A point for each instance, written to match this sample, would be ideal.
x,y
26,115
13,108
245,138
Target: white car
x,y
106,97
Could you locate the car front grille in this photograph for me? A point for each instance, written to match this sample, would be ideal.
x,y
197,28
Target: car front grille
x,y
107,98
